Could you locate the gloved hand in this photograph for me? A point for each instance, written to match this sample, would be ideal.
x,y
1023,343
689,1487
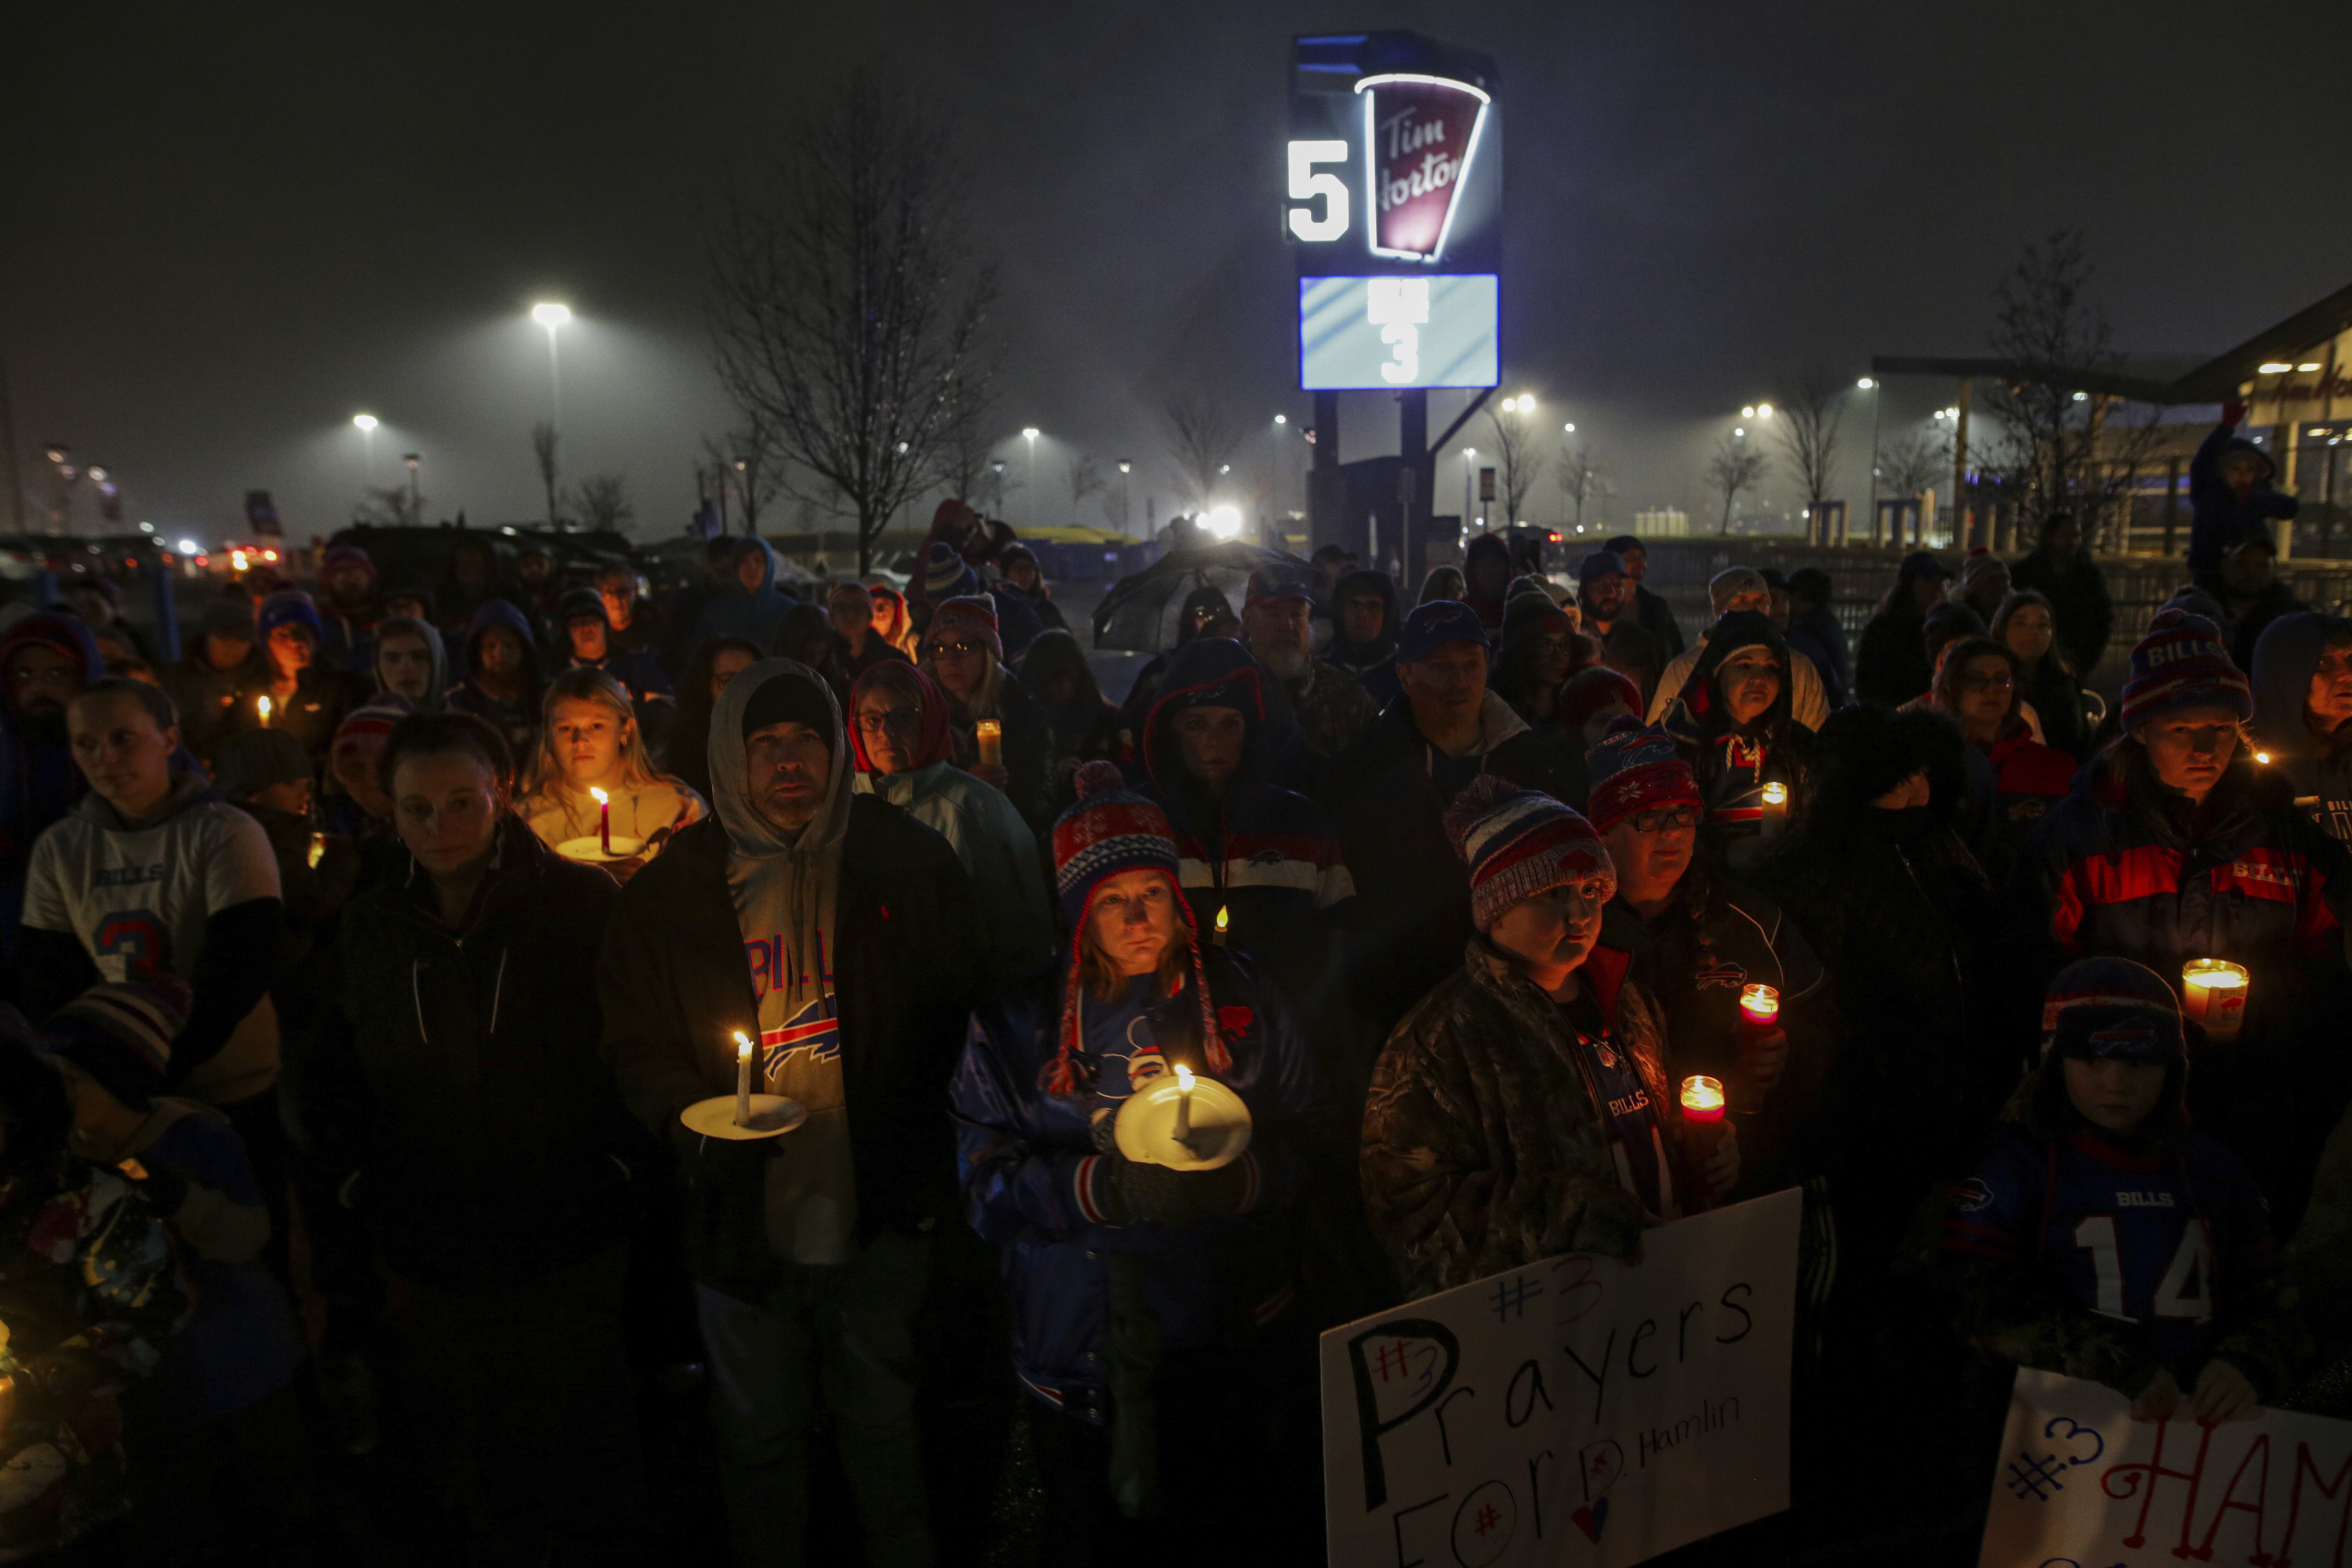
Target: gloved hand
x,y
1130,1192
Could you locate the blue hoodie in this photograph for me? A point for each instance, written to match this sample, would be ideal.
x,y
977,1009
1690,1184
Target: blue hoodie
x,y
518,721
2285,656
2218,519
741,612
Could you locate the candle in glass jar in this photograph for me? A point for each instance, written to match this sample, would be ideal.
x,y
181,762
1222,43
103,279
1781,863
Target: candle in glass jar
x,y
1760,1005
1702,1099
991,736
603,818
1775,809
2213,994
742,1078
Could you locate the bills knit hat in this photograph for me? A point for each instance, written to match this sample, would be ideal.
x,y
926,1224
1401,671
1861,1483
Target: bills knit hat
x,y
255,759
1634,771
1111,829
1432,626
2111,1008
1728,584
1599,563
1518,843
290,606
945,575
2182,663
373,721
1279,580
973,616
1591,690
122,1035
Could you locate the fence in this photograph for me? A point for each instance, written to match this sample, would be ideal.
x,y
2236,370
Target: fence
x,y
1679,570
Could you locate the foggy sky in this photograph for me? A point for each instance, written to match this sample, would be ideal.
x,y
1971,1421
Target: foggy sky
x,y
230,228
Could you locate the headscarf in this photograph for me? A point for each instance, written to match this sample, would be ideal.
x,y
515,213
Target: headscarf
x,y
934,743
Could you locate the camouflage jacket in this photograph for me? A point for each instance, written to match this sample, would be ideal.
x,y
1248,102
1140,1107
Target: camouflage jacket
x,y
1332,706
1483,1148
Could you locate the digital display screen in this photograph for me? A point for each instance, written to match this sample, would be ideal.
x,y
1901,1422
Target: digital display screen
x,y
1367,334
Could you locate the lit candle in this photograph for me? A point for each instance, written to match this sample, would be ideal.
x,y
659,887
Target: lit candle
x,y
991,735
263,704
603,818
1219,935
2263,757
1760,1005
318,849
1775,809
742,1078
1183,1103
1702,1099
2213,994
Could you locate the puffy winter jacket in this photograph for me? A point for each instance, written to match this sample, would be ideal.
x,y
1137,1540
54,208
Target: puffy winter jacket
x,y
1029,1163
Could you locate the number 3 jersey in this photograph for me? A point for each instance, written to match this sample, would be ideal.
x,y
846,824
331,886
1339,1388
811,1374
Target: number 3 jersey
x,y
2165,1239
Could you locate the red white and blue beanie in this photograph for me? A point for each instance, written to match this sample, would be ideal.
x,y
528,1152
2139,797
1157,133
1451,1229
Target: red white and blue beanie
x,y
1111,829
1635,770
1518,843
969,616
122,1034
2183,663
2111,1008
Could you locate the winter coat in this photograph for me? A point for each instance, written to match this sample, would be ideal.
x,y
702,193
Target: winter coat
x,y
1360,658
2248,618
1657,618
518,721
998,852
1313,718
456,1085
2219,518
676,985
206,698
1891,666
1483,1146
1816,634
1731,762
1029,1164
2051,689
2081,614
91,1289
1389,793
1808,692
1633,653
2028,778
739,612
2317,767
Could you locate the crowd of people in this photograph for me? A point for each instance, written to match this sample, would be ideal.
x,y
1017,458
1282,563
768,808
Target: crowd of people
x,y
370,959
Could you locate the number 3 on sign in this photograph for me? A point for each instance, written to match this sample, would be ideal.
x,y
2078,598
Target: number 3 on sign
x,y
1307,185
1400,308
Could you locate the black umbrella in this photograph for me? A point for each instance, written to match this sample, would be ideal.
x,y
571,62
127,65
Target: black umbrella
x,y
1138,614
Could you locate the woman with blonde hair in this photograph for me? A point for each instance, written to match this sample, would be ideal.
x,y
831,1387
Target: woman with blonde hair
x,y
589,741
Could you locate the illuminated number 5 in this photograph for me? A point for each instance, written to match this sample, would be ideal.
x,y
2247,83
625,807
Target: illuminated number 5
x,y
1305,185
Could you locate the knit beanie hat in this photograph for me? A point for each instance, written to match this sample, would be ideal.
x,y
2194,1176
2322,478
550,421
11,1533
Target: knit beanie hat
x,y
1591,690
1732,582
1432,626
1981,568
122,1035
338,556
288,606
848,589
1527,616
789,701
1111,829
1518,843
374,721
973,617
1633,771
2111,1008
945,574
2181,663
252,760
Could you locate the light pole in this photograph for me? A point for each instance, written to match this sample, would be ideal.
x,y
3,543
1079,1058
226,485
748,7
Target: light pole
x,y
551,316
366,423
1126,493
1870,386
1274,467
1029,434
416,502
1469,457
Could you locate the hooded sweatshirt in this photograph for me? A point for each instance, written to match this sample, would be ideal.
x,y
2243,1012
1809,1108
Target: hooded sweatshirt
x,y
1360,658
1734,762
409,626
2319,768
786,892
518,721
741,612
2219,518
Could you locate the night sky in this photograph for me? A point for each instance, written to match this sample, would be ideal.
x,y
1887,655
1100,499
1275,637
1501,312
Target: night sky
x,y
232,227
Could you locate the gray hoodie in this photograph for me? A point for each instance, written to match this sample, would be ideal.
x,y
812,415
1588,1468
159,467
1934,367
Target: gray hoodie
x,y
392,626
786,892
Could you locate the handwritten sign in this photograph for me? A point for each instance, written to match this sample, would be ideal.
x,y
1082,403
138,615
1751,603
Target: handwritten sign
x,y
1577,1410
2079,1484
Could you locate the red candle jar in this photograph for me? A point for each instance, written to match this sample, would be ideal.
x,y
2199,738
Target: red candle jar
x,y
1702,1099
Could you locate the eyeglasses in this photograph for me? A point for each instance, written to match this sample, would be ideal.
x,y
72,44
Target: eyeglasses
x,y
956,649
1987,682
59,675
888,718
1666,819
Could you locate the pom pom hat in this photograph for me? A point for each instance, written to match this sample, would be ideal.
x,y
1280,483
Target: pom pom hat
x,y
1518,843
1112,829
2111,1009
1633,771
2181,663
971,616
122,1034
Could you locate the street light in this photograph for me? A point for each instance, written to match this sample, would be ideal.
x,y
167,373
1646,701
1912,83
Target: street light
x,y
551,316
1866,384
415,503
1029,434
1126,493
367,423
1570,427
1274,467
1469,457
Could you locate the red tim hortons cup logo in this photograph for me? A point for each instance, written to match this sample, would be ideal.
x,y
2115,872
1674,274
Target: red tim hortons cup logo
x,y
1420,134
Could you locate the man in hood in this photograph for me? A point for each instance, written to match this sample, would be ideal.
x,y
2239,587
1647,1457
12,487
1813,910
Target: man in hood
x,y
837,933
44,661
1365,621
502,679
1651,611
2303,711
751,605
2230,496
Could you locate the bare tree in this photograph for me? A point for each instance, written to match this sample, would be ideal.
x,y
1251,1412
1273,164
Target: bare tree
x,y
543,451
744,462
848,300
603,502
397,507
1735,466
1916,461
2058,446
1203,438
1520,465
1086,479
1806,421
1579,480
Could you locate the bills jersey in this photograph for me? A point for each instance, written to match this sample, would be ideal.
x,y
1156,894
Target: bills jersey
x,y
2158,1240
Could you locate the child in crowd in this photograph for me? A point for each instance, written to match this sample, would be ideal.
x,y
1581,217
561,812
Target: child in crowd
x,y
2101,1236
